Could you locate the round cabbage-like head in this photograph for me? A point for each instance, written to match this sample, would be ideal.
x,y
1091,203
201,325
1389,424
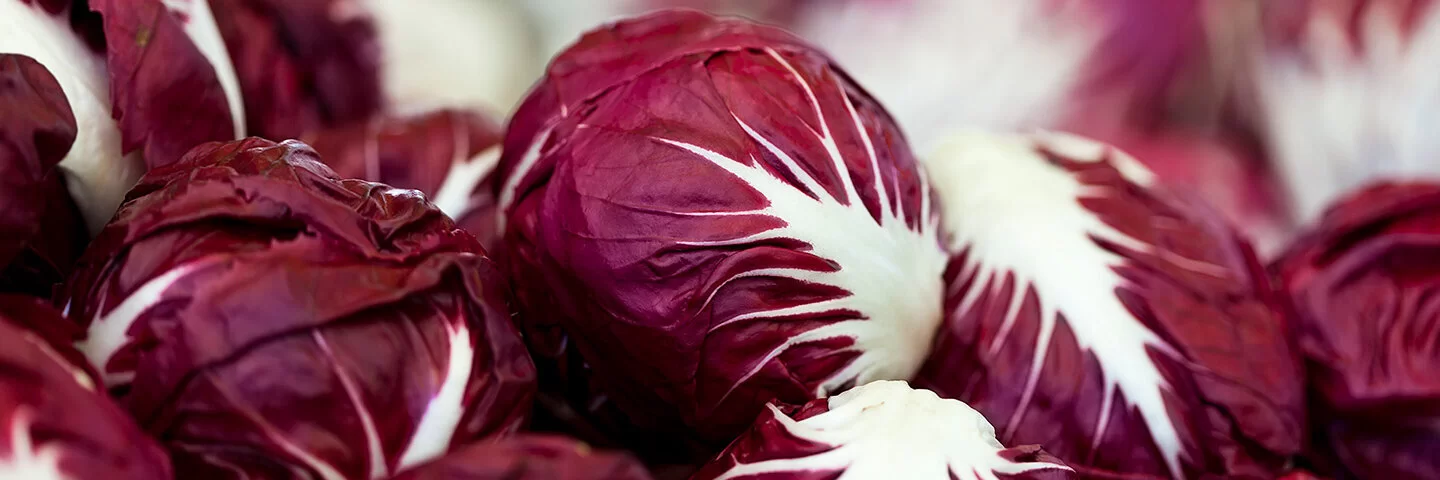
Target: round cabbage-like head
x,y
717,217
265,318
877,431
55,420
1127,329
1361,282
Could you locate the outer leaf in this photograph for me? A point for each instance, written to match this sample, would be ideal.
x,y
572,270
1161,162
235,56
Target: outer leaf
x,y
36,132
55,424
301,68
71,45
166,92
533,457
266,319
449,155
202,28
717,217
879,430
1125,329
1362,283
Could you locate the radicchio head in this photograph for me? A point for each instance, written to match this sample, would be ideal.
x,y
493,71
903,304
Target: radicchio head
x,y
718,217
266,319
1363,284
1128,330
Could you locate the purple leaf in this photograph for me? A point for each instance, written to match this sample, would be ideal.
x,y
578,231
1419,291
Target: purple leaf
x,y
1362,284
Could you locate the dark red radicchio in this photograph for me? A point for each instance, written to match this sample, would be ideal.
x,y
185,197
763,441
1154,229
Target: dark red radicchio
x,y
313,64
265,319
1127,329
449,155
529,457
1363,284
717,217
884,429
40,231
54,422
145,79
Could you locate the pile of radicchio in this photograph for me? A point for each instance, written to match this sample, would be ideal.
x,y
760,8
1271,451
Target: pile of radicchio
x,y
293,239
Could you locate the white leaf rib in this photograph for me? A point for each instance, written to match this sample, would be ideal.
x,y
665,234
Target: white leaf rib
x,y
886,429
325,470
814,307
1032,378
442,416
97,173
880,194
523,168
785,159
807,276
752,238
109,332
826,139
978,288
739,213
454,197
821,333
199,25
26,460
834,459
1012,312
379,468
1102,422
